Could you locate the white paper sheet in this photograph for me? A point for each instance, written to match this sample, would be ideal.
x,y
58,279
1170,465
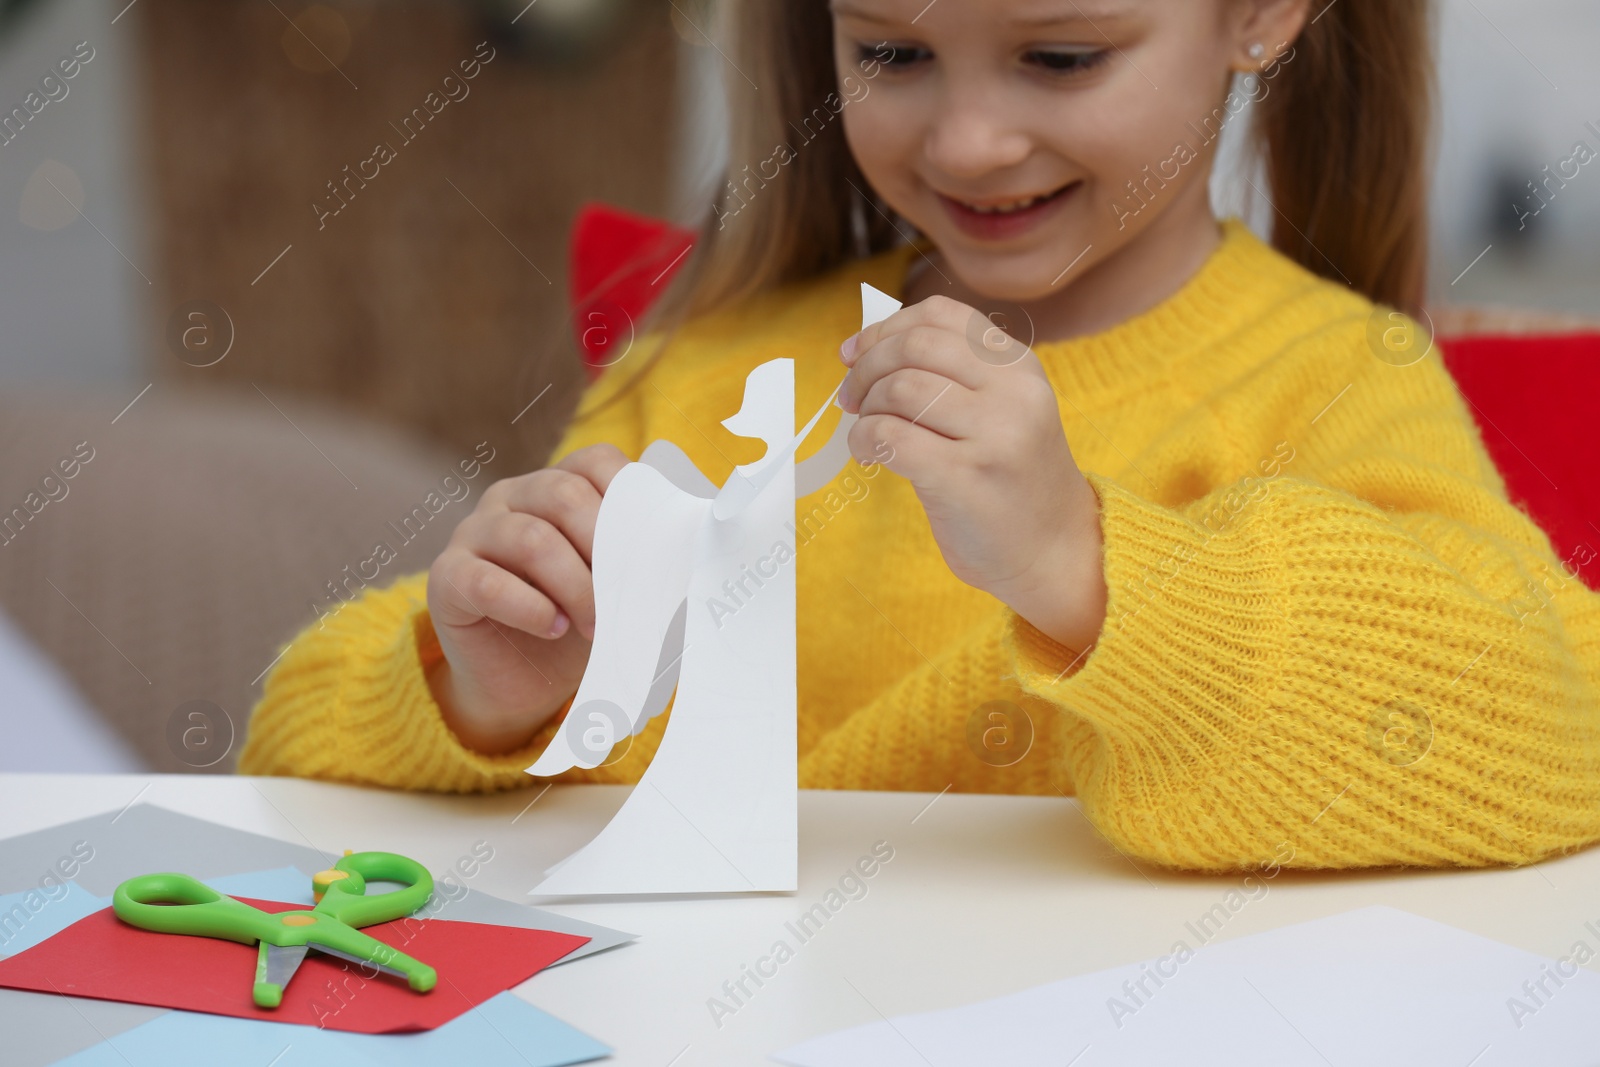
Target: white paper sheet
x,y
696,591
1367,988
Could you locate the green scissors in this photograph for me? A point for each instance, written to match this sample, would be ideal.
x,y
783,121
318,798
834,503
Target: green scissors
x,y
178,904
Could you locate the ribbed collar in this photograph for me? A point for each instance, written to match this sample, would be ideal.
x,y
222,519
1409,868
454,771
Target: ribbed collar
x,y
1241,280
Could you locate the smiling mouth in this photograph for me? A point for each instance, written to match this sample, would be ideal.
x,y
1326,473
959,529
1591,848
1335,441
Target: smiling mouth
x,y
1007,207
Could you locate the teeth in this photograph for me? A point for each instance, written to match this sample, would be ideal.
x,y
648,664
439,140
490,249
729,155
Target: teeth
x,y
1005,209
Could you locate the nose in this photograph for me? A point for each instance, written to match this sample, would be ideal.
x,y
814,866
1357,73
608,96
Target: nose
x,y
975,135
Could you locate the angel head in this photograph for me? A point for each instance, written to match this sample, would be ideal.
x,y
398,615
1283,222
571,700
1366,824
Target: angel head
x,y
767,413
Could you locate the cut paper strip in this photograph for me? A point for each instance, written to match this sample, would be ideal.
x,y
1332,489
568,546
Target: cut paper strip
x,y
503,1031
106,849
103,957
30,917
699,590
817,470
1377,987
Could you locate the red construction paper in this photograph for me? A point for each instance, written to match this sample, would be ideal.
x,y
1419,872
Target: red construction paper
x,y
105,958
619,266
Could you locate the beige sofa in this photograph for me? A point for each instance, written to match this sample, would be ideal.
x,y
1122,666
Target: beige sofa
x,y
200,536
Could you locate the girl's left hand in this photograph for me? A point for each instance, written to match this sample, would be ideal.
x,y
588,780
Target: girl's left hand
x,y
966,414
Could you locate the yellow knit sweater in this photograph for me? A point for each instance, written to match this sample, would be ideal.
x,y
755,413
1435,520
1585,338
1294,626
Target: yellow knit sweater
x,y
1322,647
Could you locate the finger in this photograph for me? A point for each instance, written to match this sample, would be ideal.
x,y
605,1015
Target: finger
x,y
924,399
923,347
914,452
598,463
541,555
469,589
565,499
940,312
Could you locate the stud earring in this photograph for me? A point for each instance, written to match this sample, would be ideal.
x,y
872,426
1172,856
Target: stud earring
x,y
1257,50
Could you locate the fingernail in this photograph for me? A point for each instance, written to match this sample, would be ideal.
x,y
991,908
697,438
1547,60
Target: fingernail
x,y
843,399
559,627
847,351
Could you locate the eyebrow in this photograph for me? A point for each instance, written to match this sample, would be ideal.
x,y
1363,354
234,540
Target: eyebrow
x,y
1070,13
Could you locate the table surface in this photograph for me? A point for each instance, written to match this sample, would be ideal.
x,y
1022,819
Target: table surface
x,y
984,895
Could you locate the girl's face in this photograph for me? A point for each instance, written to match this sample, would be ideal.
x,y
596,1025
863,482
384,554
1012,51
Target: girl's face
x,y
1016,134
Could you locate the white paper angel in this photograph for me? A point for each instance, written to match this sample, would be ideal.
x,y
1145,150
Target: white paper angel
x,y
694,592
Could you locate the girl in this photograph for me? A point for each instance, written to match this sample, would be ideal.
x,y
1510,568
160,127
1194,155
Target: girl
x,y
1209,540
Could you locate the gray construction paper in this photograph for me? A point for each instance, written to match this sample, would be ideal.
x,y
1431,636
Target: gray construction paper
x,y
146,838
40,1029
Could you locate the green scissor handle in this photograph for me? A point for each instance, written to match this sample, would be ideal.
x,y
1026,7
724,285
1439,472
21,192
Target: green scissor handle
x,y
178,904
346,898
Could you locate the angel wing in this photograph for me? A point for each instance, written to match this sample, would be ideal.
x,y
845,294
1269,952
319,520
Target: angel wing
x,y
675,465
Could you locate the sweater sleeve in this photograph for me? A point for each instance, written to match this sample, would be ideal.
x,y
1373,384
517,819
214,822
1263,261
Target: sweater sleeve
x,y
1376,660
349,698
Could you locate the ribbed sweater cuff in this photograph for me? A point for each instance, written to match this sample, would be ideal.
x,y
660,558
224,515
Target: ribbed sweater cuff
x,y
504,771
1193,640
391,715
365,668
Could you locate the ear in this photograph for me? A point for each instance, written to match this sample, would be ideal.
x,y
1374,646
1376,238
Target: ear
x,y
1264,30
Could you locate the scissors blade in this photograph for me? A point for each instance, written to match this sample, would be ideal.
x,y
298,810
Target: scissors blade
x,y
283,962
357,960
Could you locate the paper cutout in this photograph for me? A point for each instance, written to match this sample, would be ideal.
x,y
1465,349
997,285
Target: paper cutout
x,y
103,957
1377,986
147,837
694,588
504,1031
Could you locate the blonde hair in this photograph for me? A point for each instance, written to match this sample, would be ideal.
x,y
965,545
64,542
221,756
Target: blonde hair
x,y
1344,135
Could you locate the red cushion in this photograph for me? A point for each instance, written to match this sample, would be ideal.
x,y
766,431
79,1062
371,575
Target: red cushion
x,y
1534,398
620,265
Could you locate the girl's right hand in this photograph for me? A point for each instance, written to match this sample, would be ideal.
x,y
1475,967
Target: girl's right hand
x,y
512,600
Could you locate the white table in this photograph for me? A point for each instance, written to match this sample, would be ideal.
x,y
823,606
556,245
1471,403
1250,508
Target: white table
x,y
985,895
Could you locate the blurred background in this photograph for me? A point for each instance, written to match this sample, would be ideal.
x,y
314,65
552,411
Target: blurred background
x,y
259,368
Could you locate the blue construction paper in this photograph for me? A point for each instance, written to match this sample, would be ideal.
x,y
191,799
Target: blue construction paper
x,y
33,916
504,1031
288,884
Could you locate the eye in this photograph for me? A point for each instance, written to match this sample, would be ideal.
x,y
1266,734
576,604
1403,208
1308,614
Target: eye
x,y
1066,61
895,56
